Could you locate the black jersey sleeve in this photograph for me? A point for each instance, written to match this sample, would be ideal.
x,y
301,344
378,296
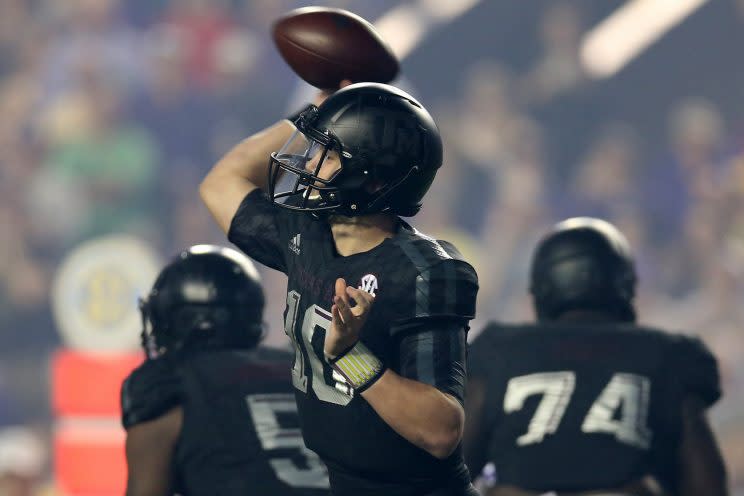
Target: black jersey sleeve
x,y
697,369
433,352
261,230
151,390
446,290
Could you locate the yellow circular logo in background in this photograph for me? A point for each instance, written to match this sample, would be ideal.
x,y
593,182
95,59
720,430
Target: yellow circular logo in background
x,y
95,291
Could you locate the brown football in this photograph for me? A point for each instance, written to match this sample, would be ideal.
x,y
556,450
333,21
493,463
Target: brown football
x,y
324,45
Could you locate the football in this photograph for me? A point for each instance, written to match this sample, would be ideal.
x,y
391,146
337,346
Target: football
x,y
326,45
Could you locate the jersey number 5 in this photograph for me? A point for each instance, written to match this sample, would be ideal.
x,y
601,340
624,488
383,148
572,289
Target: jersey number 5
x,y
627,394
265,410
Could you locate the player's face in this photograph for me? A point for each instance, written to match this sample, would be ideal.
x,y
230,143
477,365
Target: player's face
x,y
331,164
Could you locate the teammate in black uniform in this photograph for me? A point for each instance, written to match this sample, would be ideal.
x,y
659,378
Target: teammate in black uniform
x,y
210,413
585,400
379,363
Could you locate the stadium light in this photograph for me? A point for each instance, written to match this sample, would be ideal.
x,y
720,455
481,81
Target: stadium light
x,y
628,31
404,27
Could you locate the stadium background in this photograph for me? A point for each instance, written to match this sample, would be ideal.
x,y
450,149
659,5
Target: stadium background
x,y
112,110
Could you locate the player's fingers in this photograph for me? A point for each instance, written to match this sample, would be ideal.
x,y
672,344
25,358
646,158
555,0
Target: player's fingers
x,y
344,83
340,286
360,295
341,291
335,310
343,309
337,322
363,299
336,318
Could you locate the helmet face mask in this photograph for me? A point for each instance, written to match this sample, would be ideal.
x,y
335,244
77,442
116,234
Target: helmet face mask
x,y
302,158
386,144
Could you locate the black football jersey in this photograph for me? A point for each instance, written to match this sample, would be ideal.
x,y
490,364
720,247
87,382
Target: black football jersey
x,y
240,433
584,406
418,283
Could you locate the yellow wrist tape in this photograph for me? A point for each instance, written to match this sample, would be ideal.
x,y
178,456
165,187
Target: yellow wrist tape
x,y
359,366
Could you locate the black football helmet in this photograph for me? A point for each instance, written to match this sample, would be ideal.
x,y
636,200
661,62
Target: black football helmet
x,y
207,297
389,148
583,264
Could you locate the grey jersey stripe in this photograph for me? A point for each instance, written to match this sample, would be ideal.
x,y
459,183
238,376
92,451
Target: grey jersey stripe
x,y
422,294
422,281
414,253
413,245
427,253
460,338
435,355
425,362
450,288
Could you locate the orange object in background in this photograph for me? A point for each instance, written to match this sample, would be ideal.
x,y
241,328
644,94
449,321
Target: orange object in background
x,y
89,384
89,455
89,458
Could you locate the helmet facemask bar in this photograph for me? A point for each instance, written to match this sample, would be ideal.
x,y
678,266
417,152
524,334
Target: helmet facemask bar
x,y
309,191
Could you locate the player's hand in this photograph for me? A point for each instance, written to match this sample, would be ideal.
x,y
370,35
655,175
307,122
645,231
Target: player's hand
x,y
346,320
323,94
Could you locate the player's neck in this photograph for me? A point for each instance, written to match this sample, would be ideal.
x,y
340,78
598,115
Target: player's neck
x,y
590,316
354,235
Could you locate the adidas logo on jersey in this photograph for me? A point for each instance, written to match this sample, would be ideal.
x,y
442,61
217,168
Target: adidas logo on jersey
x,y
369,284
294,244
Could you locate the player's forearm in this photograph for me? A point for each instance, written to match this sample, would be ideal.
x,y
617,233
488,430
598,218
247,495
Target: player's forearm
x,y
422,414
702,470
240,171
249,159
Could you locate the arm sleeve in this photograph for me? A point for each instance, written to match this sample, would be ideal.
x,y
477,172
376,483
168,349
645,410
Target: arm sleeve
x,y
150,391
434,353
261,230
698,370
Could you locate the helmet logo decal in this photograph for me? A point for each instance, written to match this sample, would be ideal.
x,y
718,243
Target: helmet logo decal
x,y
369,284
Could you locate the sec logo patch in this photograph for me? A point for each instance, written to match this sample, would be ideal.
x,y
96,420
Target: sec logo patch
x,y
95,291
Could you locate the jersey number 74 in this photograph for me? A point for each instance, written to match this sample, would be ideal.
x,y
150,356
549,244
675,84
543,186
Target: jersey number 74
x,y
626,392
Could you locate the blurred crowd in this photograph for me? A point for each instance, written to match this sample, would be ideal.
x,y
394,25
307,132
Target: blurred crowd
x,y
111,111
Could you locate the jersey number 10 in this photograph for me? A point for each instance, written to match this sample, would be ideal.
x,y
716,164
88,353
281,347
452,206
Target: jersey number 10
x,y
626,392
328,385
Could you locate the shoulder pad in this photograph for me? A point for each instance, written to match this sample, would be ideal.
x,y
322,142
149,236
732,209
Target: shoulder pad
x,y
446,290
446,285
151,390
696,368
425,251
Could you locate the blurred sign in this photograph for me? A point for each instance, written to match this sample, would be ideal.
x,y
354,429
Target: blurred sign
x,y
89,458
88,384
95,291
88,431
